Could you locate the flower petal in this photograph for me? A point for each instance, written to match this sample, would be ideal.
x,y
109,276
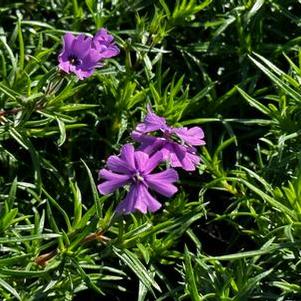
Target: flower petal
x,y
108,52
191,136
113,181
81,46
174,153
190,161
127,205
149,144
141,159
68,41
182,156
104,44
139,137
143,138
161,182
153,162
64,66
68,38
91,60
127,155
139,199
146,199
103,35
80,73
116,164
152,122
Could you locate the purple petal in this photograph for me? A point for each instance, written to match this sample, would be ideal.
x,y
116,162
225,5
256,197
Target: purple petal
x,y
80,73
161,182
148,144
190,161
104,44
138,136
153,162
108,52
191,136
150,149
166,153
127,155
152,122
141,199
143,138
81,46
128,204
116,164
113,181
146,198
181,156
174,153
141,159
102,35
88,63
69,38
138,198
64,65
68,41
90,60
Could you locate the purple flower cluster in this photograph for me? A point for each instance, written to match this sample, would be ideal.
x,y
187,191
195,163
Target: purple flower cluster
x,y
158,142
176,144
82,54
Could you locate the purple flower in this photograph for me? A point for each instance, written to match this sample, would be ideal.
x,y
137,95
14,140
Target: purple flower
x,y
135,168
176,144
104,44
78,56
81,55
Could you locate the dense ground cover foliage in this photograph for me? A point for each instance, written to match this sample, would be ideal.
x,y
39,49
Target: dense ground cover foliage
x,y
231,231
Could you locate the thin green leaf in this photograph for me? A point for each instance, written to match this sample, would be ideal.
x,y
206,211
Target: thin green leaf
x,y
10,289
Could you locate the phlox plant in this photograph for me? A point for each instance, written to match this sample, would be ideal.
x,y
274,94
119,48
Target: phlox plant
x,y
81,55
150,150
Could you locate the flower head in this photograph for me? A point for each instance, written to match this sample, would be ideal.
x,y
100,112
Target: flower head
x,y
77,56
135,168
104,44
175,144
81,55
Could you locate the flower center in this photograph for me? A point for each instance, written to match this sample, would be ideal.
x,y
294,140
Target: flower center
x,y
137,177
73,60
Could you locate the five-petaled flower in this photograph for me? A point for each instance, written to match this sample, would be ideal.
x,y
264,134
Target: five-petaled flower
x,y
135,168
176,144
81,55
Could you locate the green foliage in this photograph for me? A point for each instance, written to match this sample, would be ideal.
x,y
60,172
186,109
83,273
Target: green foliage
x,y
232,232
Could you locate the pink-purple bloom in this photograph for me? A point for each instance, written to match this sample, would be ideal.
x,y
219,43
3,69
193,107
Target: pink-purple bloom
x,y
104,44
177,145
77,56
81,55
134,168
